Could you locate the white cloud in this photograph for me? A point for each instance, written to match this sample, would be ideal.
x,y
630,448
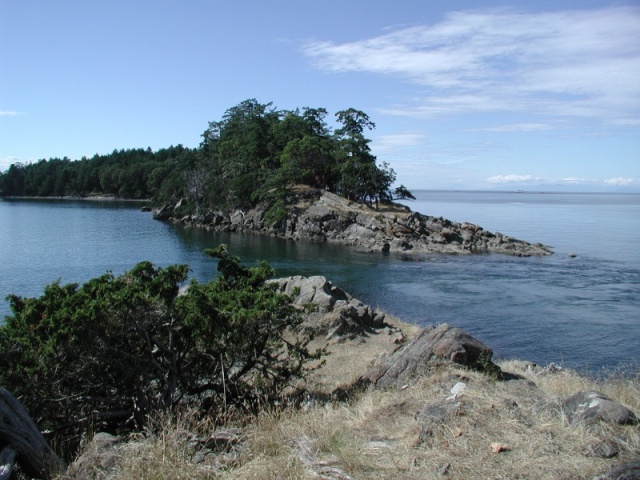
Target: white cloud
x,y
622,182
8,113
568,182
572,181
6,162
501,179
564,63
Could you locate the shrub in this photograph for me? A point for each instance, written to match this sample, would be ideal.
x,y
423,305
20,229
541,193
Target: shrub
x,y
108,353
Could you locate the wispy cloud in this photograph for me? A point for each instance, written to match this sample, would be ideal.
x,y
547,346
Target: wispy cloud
x,y
565,63
6,162
531,180
502,179
622,182
627,122
514,127
391,143
9,113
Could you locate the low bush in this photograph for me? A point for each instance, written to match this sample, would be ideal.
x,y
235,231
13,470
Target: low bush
x,y
108,353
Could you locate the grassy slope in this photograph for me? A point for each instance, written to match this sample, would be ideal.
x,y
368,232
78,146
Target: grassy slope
x,y
376,435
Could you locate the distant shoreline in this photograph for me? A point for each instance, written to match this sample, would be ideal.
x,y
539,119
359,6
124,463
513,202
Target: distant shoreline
x,y
96,198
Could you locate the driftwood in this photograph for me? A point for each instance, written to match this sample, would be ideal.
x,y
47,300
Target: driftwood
x,y
21,441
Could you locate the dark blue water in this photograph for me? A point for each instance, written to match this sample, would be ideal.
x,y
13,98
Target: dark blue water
x,y
583,312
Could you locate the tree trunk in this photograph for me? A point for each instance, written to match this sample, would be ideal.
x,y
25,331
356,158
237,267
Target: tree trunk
x,y
21,440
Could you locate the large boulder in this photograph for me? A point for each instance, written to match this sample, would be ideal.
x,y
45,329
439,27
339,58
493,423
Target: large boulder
x,y
441,343
590,406
316,290
330,310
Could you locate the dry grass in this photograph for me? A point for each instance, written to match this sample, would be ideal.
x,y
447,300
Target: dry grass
x,y
376,436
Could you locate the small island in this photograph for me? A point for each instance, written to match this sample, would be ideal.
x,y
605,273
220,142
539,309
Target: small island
x,y
277,172
318,215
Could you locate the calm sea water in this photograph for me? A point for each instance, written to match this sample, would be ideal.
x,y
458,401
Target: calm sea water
x,y
583,312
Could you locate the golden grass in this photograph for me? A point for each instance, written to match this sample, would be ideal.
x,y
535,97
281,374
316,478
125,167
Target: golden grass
x,y
376,436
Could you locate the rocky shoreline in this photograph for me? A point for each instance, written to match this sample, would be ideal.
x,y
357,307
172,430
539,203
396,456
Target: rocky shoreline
x,y
317,215
432,400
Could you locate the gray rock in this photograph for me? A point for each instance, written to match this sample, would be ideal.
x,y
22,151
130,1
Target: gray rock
x,y
441,343
237,217
323,216
335,314
99,460
630,471
163,213
444,469
319,213
591,406
439,412
355,232
316,289
601,450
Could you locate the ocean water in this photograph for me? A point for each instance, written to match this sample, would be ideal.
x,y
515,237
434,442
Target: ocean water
x,y
582,311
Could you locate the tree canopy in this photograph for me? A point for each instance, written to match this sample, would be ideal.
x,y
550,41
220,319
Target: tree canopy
x,y
251,155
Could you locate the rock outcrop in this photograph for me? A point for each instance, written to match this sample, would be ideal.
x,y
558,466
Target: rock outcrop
x,y
331,311
322,216
444,343
100,459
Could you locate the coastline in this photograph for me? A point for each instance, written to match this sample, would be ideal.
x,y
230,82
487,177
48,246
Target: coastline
x,y
318,215
96,198
447,418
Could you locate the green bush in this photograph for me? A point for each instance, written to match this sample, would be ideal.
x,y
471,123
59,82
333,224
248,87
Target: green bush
x,y
108,353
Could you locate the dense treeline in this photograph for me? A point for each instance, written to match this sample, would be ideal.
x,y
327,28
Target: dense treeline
x,y
252,154
132,173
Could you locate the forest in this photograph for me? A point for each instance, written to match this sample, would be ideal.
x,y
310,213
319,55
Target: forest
x,y
251,155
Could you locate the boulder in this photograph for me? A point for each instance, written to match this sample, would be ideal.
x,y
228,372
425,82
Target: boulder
x,y
315,290
591,406
444,343
319,213
163,213
602,450
330,310
99,460
237,217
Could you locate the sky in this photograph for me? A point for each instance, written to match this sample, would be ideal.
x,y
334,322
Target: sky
x,y
465,95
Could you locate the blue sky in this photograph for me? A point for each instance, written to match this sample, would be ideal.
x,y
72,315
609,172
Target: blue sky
x,y
506,95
